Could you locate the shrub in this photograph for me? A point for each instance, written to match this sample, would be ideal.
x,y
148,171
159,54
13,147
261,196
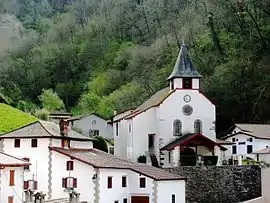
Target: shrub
x,y
141,159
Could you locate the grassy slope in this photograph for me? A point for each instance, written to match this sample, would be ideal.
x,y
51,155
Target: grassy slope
x,y
11,118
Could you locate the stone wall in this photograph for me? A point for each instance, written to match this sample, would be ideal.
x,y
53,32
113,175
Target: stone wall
x,y
226,184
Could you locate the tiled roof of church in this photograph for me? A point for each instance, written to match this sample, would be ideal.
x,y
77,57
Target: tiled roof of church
x,y
99,159
154,100
183,66
43,129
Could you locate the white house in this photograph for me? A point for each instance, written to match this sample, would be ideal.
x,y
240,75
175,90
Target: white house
x,y
248,140
31,143
92,124
64,161
103,178
11,178
177,118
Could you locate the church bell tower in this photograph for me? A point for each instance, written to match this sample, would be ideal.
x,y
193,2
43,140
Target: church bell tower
x,y
184,74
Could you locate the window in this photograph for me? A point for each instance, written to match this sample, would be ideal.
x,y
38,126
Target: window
x,y
116,201
173,198
233,139
142,183
124,181
198,126
169,157
187,110
10,199
187,83
125,200
17,143
11,177
111,150
94,122
172,85
249,149
129,128
34,143
116,129
250,139
177,128
151,139
109,182
69,182
234,151
93,132
70,165
242,143
28,160
65,143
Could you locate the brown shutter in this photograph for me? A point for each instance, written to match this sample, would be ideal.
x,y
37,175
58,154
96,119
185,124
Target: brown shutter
x,y
10,199
35,185
74,182
11,177
25,185
109,182
64,182
70,165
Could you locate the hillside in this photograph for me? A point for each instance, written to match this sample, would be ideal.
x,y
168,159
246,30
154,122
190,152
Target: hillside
x,y
106,55
11,118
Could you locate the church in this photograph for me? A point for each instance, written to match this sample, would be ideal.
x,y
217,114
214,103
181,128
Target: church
x,y
175,126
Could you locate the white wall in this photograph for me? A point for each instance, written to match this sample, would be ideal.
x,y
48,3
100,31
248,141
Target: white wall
x,y
81,144
39,159
8,191
258,144
83,172
121,141
167,188
117,192
86,123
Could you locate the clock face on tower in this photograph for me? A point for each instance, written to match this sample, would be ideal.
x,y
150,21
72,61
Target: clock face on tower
x,y
187,98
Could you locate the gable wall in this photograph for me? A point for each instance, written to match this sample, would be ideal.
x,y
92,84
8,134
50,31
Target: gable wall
x,y
83,172
120,141
171,109
39,158
165,190
85,124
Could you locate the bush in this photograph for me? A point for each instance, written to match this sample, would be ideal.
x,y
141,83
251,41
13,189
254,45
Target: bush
x,y
210,160
42,114
50,100
100,143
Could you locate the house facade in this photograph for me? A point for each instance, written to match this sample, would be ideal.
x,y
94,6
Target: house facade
x,y
64,162
174,122
110,179
11,178
92,125
248,141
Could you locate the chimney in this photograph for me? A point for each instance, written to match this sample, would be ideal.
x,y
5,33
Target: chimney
x,y
63,125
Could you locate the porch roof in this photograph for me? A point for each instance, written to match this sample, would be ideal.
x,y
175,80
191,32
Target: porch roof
x,y
192,139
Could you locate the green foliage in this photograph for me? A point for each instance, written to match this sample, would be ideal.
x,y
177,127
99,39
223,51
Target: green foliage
x,y
141,159
50,100
103,55
11,118
100,143
42,114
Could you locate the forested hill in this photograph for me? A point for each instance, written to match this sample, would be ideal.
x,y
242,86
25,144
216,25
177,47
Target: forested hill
x,y
101,55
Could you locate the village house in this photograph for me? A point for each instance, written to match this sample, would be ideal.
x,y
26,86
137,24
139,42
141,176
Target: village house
x,y
174,126
92,125
64,161
248,141
11,178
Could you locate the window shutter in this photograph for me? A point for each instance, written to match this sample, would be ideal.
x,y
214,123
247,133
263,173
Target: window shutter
x,y
35,185
11,177
64,182
25,185
74,182
70,165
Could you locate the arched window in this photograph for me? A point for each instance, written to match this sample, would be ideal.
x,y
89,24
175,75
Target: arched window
x,y
198,126
177,128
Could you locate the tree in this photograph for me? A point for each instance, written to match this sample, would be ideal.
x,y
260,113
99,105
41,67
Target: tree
x,y
50,100
100,143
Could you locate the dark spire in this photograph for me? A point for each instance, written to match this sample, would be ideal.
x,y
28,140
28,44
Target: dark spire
x,y
183,66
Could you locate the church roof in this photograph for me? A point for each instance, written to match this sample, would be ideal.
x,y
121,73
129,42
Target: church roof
x,y
99,159
43,129
154,100
183,66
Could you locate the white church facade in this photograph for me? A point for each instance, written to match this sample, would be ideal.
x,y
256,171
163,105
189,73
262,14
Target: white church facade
x,y
174,122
